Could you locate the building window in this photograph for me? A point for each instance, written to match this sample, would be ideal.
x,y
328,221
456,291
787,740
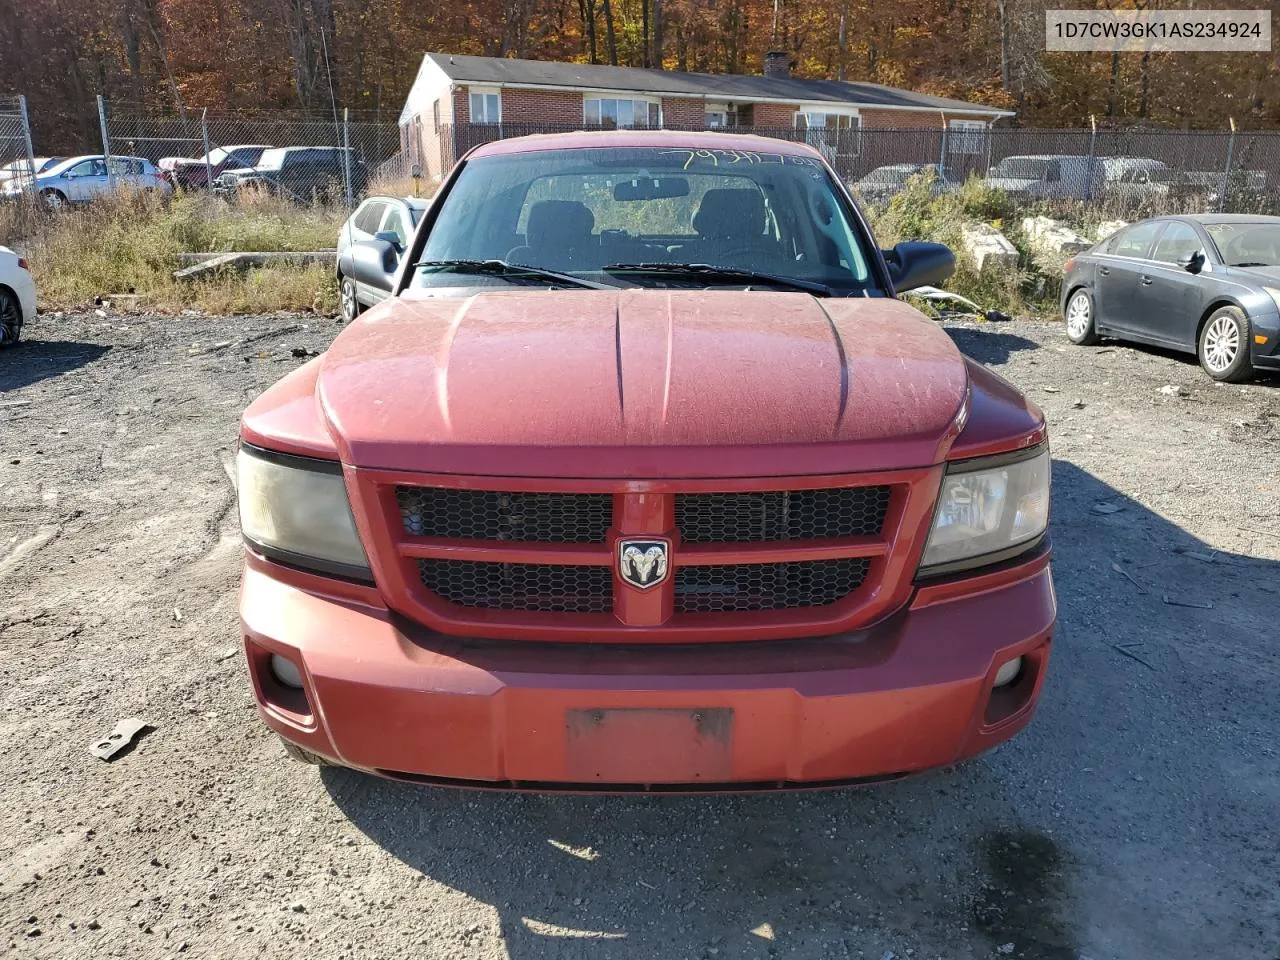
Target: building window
x,y
435,113
608,112
834,134
716,115
486,108
967,136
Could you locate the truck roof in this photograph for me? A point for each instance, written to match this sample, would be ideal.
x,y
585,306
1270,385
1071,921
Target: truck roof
x,y
673,139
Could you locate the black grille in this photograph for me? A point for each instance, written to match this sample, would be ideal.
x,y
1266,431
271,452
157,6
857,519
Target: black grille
x,y
781,515
490,515
767,586
520,586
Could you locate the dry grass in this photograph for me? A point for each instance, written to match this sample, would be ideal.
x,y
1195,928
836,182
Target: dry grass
x,y
130,244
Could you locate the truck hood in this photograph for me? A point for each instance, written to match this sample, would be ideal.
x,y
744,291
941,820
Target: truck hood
x,y
642,383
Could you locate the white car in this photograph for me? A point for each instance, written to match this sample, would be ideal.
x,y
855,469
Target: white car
x,y
81,179
20,170
17,296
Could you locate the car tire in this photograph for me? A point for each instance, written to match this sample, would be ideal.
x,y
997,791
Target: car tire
x,y
54,199
1081,328
10,319
348,306
1223,346
296,752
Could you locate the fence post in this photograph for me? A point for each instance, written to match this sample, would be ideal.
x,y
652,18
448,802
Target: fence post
x,y
1226,172
106,141
346,152
26,138
1093,152
204,137
942,154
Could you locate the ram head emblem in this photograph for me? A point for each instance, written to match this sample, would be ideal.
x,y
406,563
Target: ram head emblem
x,y
642,563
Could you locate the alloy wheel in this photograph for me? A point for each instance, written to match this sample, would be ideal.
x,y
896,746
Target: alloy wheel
x,y
347,300
1078,315
1221,343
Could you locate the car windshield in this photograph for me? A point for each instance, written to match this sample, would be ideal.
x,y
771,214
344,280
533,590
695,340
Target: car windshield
x,y
1247,244
216,156
580,211
272,159
1021,168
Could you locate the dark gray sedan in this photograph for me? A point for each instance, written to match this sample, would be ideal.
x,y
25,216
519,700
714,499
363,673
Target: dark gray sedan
x,y
1208,285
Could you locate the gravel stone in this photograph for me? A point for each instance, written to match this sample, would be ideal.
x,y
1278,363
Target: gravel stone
x,y
1050,842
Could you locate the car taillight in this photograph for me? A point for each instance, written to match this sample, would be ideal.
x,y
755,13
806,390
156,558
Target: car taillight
x,y
22,263
1066,267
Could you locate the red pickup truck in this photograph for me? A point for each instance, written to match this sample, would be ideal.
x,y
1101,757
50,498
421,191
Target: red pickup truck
x,y
644,480
193,174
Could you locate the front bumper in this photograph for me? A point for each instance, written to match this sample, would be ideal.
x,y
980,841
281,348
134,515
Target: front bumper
x,y
1265,356
912,693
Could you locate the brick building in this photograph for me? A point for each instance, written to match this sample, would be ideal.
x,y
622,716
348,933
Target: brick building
x,y
459,101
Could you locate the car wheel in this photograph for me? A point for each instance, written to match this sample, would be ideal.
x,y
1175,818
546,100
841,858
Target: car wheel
x,y
1079,316
295,752
1224,345
54,199
10,319
348,306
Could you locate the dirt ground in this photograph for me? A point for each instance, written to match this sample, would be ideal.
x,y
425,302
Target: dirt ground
x,y
1136,818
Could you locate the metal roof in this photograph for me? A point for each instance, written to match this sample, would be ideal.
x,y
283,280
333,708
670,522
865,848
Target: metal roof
x,y
545,73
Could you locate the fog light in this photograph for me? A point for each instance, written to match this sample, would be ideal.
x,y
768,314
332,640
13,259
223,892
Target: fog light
x,y
287,672
1007,673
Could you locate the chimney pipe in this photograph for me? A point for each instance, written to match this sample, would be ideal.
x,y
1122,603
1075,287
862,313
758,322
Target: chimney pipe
x,y
777,64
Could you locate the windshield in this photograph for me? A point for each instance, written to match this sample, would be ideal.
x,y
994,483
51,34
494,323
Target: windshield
x,y
1021,168
1247,244
579,211
216,156
272,159
65,165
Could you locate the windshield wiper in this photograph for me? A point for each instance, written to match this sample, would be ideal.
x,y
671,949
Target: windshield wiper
x,y
501,268
710,272
1249,263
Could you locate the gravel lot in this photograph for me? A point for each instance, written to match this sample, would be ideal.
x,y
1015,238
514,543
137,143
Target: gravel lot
x,y
1137,817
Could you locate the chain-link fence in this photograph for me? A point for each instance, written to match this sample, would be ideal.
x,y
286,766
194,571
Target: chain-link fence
x,y
338,156
1125,173
329,158
17,160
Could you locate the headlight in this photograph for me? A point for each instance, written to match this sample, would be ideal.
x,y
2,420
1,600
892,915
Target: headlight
x,y
988,509
1274,294
295,510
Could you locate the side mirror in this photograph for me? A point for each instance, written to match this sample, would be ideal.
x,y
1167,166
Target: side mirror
x,y
918,264
391,237
374,262
1192,262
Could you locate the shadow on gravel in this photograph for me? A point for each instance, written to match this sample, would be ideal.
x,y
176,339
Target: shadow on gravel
x,y
32,361
1187,360
1034,845
987,344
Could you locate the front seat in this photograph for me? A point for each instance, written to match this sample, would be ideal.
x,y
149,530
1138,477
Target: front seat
x,y
731,225
558,236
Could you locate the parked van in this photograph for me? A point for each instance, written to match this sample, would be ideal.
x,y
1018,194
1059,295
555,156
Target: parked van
x,y
1050,176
